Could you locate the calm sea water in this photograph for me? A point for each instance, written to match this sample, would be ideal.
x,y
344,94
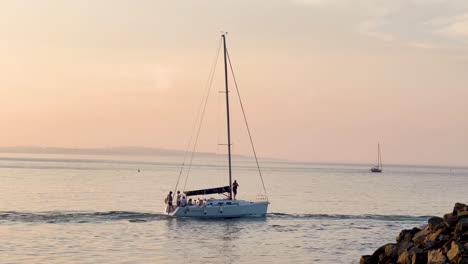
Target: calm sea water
x,y
100,209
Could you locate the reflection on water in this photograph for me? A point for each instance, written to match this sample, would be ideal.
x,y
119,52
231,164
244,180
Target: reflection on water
x,y
205,240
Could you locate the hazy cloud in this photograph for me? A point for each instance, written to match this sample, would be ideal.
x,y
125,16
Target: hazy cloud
x,y
417,23
422,45
372,28
455,27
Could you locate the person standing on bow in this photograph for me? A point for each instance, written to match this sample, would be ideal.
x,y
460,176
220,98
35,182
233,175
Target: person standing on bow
x,y
234,188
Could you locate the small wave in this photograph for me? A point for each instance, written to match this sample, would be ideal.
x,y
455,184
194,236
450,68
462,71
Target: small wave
x,y
78,217
345,217
138,217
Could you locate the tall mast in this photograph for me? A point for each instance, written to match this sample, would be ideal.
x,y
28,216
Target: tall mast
x,y
380,158
227,114
378,155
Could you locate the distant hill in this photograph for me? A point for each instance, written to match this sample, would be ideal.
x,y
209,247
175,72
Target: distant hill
x,y
127,151
93,151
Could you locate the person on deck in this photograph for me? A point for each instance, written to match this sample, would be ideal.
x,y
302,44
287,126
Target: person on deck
x,y
183,202
178,198
234,188
190,203
168,201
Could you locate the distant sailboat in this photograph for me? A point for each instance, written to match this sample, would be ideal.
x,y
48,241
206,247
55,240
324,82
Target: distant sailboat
x,y
378,167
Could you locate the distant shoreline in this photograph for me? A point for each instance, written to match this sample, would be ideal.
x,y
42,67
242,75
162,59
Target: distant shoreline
x,y
148,151
119,151
92,151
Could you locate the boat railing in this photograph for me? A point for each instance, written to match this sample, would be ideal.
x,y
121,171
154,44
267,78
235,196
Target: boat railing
x,y
261,198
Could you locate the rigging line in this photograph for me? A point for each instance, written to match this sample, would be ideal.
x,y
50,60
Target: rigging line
x,y
247,125
198,115
209,85
218,132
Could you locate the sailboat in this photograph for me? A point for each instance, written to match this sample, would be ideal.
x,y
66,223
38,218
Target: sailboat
x,y
227,207
378,167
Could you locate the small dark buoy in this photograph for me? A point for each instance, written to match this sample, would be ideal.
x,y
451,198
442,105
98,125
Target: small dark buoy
x,y
138,170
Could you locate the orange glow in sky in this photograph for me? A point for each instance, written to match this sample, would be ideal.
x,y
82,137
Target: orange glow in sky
x,y
321,80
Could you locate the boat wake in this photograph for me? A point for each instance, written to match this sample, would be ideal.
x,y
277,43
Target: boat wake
x,y
79,217
136,217
377,217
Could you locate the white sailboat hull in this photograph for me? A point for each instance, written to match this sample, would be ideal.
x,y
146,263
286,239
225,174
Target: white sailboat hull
x,y
223,209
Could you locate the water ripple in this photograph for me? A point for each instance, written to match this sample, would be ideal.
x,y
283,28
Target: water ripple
x,y
78,217
136,217
344,217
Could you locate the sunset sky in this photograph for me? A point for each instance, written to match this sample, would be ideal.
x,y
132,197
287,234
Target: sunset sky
x,y
321,80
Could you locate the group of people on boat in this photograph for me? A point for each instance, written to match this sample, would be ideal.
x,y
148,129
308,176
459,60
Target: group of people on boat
x,y
181,201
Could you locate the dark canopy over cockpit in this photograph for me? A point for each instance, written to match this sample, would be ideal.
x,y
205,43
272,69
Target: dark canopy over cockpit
x,y
225,189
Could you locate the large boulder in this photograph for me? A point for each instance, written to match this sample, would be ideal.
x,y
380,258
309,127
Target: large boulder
x,y
458,208
405,245
435,235
404,258
420,237
419,257
368,259
385,253
412,256
443,241
407,234
430,245
450,220
390,251
436,257
462,215
455,254
464,237
462,225
435,223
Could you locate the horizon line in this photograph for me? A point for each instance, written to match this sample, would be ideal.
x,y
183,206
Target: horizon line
x,y
149,151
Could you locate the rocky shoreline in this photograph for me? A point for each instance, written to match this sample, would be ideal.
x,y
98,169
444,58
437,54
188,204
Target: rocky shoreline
x,y
442,240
